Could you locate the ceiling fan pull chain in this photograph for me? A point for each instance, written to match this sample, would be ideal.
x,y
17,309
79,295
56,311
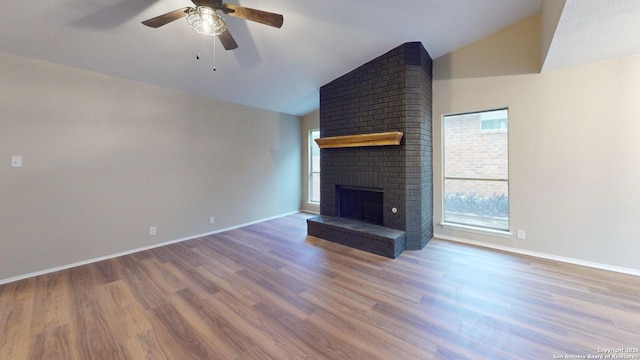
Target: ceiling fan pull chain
x,y
214,54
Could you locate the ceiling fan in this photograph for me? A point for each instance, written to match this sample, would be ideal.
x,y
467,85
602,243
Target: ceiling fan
x,y
205,19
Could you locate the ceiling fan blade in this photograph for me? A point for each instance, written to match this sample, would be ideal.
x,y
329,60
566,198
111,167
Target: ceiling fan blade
x,y
260,16
164,19
228,42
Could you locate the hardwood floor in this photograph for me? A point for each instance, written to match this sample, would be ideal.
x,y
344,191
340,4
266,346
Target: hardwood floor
x,y
267,291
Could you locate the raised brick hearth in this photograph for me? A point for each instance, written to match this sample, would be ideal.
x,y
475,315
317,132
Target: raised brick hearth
x,y
373,238
390,93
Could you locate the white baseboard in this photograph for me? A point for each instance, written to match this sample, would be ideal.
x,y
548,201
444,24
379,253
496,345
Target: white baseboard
x,y
90,261
563,259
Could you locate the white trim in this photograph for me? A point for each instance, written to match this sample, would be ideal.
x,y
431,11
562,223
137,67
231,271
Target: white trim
x,y
101,258
310,211
476,229
591,264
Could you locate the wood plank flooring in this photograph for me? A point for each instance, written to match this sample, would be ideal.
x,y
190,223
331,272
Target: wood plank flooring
x,y
268,291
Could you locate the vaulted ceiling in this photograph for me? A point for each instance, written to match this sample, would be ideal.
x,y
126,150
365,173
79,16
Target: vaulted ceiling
x,y
282,69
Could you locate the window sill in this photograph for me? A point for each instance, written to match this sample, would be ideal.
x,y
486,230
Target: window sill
x,y
477,230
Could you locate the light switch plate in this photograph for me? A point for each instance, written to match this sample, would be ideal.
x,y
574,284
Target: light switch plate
x,y
16,161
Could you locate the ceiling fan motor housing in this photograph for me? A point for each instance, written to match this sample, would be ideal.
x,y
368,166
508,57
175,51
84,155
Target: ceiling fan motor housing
x,y
206,21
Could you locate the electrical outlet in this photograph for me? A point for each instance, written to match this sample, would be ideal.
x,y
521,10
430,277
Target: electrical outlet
x,y
16,161
152,231
522,234
212,220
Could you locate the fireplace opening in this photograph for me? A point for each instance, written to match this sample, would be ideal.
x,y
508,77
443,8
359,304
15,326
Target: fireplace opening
x,y
360,204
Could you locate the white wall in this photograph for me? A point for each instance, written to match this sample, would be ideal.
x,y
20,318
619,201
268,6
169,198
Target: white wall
x,y
310,122
106,158
574,148
551,12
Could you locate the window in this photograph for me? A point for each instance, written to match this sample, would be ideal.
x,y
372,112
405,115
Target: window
x,y
476,169
314,167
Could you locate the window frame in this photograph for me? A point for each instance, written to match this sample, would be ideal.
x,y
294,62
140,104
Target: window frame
x,y
458,225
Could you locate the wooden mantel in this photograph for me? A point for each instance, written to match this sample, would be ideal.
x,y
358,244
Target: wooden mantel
x,y
376,139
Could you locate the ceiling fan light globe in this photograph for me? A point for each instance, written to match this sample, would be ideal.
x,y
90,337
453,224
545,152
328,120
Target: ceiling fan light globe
x,y
206,21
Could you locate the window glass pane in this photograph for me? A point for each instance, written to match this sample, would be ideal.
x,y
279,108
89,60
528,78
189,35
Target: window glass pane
x,y
476,169
314,195
314,149
477,203
472,153
496,124
314,167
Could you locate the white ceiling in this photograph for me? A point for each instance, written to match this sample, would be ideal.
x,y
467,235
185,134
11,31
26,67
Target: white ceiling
x,y
275,69
594,30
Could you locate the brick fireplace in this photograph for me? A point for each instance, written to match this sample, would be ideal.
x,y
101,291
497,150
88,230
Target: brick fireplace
x,y
391,93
